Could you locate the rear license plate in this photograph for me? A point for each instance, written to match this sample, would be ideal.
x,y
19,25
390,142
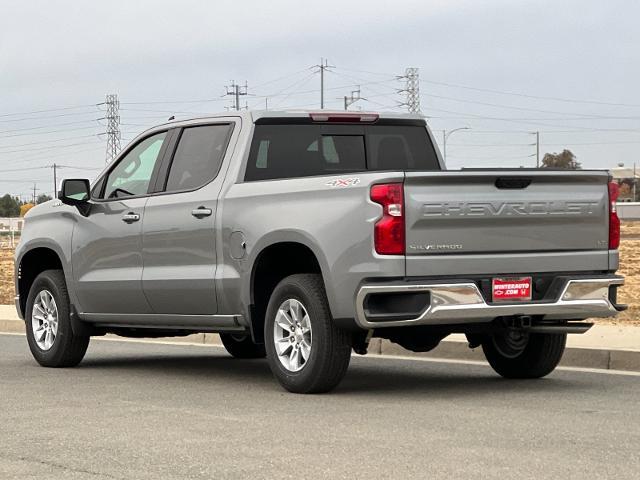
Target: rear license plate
x,y
512,289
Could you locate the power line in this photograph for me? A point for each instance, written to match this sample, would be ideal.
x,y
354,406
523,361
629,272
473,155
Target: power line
x,y
537,97
295,84
511,93
511,107
48,147
39,127
70,114
46,111
22,169
43,142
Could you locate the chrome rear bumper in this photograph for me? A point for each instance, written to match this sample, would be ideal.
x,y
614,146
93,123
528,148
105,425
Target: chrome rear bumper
x,y
452,303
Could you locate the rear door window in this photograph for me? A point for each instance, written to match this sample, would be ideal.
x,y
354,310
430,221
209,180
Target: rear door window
x,y
198,157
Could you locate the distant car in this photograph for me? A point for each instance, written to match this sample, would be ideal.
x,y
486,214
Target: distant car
x,y
302,235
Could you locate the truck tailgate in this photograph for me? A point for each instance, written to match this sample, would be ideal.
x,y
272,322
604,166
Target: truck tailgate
x,y
485,212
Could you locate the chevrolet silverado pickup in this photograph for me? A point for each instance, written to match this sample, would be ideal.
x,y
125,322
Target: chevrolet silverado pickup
x,y
300,236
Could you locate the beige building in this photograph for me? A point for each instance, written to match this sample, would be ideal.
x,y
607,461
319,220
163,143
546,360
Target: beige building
x,y
627,178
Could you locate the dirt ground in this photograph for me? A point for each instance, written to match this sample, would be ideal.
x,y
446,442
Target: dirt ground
x,y
629,267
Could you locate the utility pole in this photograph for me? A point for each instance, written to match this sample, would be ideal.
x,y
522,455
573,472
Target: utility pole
x,y
113,127
34,194
236,91
635,181
411,89
537,145
324,65
353,98
55,181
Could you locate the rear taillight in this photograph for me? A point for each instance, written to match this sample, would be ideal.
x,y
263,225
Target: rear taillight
x,y
614,221
389,230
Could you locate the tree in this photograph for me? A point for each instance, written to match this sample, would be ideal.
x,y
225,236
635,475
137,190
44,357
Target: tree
x,y
566,160
9,206
25,208
42,198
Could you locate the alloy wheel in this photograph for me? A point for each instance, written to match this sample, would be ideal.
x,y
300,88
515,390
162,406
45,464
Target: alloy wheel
x,y
292,335
44,320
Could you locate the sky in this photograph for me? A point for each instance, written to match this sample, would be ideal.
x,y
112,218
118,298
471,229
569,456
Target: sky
x,y
499,69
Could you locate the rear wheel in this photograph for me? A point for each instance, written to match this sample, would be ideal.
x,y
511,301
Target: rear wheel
x,y
306,352
48,323
242,346
519,354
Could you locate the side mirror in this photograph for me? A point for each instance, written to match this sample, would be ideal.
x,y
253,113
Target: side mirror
x,y
75,191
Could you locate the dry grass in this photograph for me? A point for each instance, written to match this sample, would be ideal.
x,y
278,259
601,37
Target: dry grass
x,y
629,267
6,276
630,229
630,293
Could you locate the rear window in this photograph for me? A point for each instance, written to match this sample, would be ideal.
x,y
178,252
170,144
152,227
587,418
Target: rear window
x,y
289,151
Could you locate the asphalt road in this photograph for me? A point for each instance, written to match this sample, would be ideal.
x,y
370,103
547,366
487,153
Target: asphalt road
x,y
153,411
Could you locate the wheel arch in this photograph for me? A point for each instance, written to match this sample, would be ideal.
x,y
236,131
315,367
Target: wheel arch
x,y
275,260
31,264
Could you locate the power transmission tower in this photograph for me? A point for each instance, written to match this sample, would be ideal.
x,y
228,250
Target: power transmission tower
x,y
411,89
113,127
236,91
353,98
324,65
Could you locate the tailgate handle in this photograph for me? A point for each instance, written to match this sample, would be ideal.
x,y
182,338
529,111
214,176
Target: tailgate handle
x,y
512,183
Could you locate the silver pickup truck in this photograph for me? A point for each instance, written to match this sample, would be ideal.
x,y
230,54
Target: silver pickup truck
x,y
299,236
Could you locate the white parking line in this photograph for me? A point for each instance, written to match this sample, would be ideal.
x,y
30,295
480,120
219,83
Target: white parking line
x,y
370,356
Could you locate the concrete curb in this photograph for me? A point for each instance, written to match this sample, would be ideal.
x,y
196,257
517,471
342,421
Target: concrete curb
x,y
606,359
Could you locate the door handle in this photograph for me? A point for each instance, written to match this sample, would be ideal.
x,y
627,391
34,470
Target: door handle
x,y
201,212
130,217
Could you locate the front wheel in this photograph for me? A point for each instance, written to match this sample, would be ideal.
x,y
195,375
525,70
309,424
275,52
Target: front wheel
x,y
48,323
519,354
306,352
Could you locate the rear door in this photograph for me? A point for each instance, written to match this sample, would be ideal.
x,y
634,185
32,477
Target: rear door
x,y
491,212
179,241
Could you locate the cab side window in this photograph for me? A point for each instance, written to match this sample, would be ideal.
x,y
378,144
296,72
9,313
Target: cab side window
x,y
132,175
198,157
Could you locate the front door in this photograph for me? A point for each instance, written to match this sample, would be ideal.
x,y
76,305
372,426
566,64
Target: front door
x,y
107,244
179,241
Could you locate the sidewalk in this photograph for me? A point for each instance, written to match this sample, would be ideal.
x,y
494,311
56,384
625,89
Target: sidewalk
x,y
604,346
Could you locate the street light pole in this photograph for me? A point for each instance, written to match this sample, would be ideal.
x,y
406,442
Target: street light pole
x,y
445,137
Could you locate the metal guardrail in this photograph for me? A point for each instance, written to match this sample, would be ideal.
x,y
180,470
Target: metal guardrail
x,y
628,210
10,228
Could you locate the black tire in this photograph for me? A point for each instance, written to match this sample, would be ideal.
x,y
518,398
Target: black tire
x,y
242,346
68,349
330,350
540,356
